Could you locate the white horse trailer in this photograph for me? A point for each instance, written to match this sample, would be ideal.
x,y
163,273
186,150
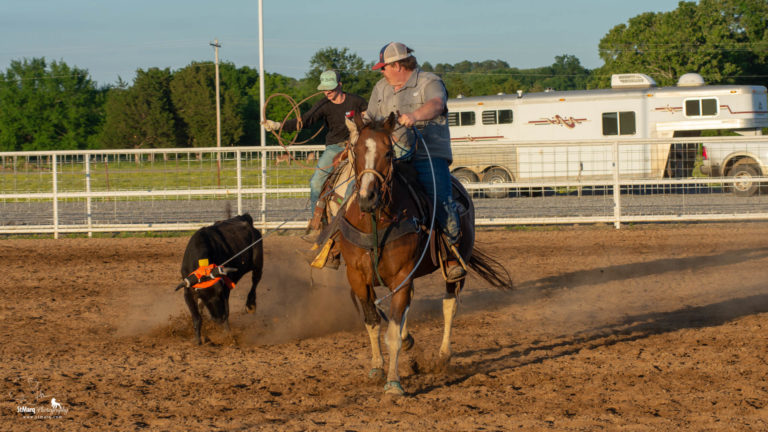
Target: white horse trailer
x,y
569,135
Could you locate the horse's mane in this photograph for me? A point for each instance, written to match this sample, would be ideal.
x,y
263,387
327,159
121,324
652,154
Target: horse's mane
x,y
377,125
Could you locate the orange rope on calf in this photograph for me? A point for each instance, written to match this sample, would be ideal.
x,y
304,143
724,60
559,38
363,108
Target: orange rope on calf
x,y
205,271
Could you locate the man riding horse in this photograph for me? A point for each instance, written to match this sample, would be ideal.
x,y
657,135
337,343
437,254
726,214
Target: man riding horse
x,y
420,98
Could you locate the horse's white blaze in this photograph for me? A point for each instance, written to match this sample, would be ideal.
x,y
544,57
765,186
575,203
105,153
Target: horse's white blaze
x,y
370,159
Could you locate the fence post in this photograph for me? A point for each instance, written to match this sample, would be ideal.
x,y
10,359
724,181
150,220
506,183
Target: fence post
x,y
88,212
263,186
55,176
238,154
616,187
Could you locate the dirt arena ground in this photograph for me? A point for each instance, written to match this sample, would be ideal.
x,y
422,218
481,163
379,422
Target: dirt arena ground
x,y
654,327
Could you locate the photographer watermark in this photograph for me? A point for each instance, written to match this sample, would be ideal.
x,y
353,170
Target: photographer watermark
x,y
51,411
42,408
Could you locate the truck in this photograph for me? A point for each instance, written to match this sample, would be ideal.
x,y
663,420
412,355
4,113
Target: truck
x,y
569,135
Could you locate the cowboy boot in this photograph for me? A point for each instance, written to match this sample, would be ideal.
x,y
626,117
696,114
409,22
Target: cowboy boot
x,y
315,225
311,255
455,268
454,271
334,257
334,261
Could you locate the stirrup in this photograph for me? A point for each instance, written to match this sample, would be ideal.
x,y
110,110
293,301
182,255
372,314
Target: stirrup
x,y
455,272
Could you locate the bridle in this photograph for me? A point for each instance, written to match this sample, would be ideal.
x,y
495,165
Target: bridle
x,y
385,186
371,171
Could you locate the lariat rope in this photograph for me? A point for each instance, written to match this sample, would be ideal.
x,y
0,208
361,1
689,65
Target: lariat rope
x,y
299,124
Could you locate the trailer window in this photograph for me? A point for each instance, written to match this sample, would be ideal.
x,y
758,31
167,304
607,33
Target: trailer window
x,y
497,117
701,107
619,123
466,118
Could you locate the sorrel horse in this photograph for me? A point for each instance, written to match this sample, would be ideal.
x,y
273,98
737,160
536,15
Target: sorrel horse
x,y
383,238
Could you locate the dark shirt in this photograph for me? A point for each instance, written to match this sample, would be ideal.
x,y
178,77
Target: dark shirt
x,y
332,115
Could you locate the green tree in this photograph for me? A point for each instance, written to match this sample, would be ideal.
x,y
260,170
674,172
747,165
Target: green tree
x,y
356,74
566,73
193,92
240,81
141,116
456,86
47,107
723,40
279,107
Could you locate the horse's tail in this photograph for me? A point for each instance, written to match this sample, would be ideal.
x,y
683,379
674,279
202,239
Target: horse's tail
x,y
490,269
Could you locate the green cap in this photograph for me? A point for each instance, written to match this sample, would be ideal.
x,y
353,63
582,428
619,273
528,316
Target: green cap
x,y
329,80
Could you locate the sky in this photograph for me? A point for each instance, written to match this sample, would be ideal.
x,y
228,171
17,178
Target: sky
x,y
112,39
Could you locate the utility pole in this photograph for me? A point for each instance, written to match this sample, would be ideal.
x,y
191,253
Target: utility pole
x,y
215,44
261,105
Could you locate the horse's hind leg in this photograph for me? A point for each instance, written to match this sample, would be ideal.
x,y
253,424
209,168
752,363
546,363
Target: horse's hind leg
x,y
449,312
408,341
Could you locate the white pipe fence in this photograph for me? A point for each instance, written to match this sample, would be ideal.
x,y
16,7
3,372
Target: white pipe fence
x,y
183,189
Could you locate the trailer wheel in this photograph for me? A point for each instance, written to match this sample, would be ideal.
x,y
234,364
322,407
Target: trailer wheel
x,y
495,176
744,173
466,177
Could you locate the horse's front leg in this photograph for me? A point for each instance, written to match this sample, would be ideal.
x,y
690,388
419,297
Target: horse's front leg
x,y
449,312
366,295
373,325
398,316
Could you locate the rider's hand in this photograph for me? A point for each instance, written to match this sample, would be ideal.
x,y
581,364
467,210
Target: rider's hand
x,y
407,119
270,125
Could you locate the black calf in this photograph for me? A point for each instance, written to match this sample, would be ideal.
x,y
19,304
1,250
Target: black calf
x,y
216,244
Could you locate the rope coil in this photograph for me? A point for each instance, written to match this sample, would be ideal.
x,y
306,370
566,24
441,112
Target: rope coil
x,y
299,124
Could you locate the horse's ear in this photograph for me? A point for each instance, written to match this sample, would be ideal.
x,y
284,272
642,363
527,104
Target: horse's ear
x,y
358,118
391,122
354,130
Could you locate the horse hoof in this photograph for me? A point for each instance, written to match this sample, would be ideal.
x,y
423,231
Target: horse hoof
x,y
250,309
376,374
443,360
408,343
394,388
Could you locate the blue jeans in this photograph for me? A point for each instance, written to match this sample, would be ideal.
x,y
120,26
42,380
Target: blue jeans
x,y
323,169
447,214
